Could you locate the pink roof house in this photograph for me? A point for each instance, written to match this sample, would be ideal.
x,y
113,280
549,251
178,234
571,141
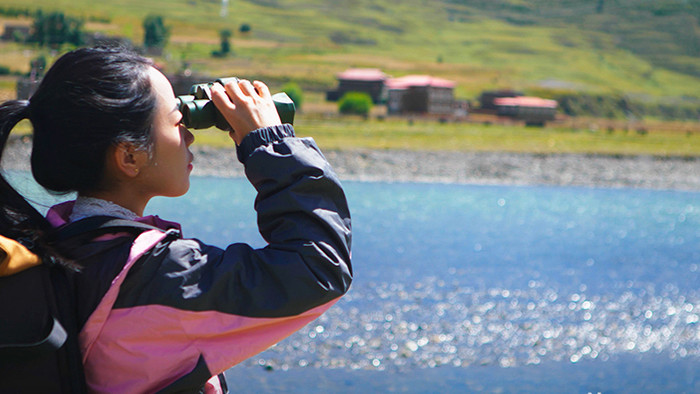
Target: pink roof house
x,y
420,94
367,80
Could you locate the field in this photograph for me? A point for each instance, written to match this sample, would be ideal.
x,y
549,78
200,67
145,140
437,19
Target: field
x,y
566,46
589,136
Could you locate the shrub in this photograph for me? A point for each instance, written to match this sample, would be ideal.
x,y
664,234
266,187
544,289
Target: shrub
x,y
295,93
355,103
155,33
55,29
225,50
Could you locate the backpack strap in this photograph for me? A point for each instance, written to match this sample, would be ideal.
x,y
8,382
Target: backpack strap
x,y
94,226
38,335
55,338
15,257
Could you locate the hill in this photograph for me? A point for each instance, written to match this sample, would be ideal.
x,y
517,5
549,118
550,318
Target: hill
x,y
639,48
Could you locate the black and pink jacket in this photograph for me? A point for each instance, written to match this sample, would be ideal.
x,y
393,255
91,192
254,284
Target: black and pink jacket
x,y
161,312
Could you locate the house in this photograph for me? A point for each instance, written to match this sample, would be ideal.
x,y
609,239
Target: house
x,y
487,98
420,94
367,80
16,32
534,111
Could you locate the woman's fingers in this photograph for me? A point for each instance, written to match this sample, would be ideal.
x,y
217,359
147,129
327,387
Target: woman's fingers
x,y
221,98
262,89
246,106
234,91
247,88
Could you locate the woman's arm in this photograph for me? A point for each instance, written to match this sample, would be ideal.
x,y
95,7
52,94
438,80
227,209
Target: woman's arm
x,y
304,217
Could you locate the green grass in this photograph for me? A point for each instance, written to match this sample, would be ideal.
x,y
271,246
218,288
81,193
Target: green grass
x,y
349,133
631,49
479,44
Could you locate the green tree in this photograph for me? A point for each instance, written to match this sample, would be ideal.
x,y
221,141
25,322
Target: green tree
x,y
355,103
295,93
225,49
55,29
225,41
155,33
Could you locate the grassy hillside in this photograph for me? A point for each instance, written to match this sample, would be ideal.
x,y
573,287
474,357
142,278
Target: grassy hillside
x,y
633,47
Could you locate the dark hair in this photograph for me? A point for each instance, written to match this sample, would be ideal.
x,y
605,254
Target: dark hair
x,y
89,100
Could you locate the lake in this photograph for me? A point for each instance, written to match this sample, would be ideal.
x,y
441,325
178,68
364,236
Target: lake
x,y
487,288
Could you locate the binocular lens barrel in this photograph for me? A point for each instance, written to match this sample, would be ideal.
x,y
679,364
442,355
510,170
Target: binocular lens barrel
x,y
199,112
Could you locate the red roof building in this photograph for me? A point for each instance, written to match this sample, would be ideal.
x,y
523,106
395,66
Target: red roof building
x,y
362,74
420,94
534,111
525,101
367,80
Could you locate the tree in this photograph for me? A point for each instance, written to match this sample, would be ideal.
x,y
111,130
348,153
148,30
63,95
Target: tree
x,y
355,103
55,29
225,43
295,93
155,33
225,49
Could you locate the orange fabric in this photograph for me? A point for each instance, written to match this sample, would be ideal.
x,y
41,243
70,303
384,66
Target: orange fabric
x,y
15,257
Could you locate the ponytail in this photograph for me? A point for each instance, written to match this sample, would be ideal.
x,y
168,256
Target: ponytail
x,y
89,100
19,220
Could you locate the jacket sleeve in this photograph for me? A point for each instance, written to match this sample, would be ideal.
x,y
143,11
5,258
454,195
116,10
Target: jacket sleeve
x,y
186,311
303,216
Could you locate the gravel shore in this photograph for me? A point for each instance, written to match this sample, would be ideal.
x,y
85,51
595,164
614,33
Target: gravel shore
x,y
487,168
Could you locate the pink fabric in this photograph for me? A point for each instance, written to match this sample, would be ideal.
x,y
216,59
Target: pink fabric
x,y
98,318
146,348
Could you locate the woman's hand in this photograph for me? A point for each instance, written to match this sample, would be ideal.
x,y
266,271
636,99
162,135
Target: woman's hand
x,y
245,106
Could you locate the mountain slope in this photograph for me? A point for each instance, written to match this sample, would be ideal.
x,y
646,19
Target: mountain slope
x,y
644,48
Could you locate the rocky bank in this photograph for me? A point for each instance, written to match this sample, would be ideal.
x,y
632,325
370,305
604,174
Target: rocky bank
x,y
489,168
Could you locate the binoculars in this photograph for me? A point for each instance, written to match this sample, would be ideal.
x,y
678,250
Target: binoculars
x,y
199,112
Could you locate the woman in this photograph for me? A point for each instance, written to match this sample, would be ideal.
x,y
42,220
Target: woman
x,y
156,311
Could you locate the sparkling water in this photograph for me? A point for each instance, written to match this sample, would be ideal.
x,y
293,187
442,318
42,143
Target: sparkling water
x,y
486,288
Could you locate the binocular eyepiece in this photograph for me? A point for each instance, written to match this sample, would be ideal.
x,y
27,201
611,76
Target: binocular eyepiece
x,y
199,112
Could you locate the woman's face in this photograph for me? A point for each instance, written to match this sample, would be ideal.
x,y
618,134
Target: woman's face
x,y
168,172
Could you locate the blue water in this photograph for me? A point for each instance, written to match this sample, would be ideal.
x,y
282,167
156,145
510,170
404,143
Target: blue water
x,y
487,288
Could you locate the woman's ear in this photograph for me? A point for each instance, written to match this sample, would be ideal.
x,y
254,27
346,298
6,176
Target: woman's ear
x,y
127,160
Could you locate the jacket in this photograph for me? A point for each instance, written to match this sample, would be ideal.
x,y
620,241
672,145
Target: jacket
x,y
162,312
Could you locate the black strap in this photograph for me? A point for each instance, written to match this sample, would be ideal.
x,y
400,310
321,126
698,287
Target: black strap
x,y
55,338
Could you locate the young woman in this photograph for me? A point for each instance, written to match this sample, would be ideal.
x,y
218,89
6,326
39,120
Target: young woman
x,y
157,311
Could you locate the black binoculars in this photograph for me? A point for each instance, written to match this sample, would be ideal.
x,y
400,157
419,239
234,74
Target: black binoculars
x,y
199,112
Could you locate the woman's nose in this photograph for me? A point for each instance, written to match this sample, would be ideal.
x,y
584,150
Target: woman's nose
x,y
189,137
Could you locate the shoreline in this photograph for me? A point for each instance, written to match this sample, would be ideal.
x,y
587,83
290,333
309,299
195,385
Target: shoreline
x,y
489,168
480,168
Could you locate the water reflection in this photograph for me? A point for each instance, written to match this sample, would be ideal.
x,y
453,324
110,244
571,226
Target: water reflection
x,y
394,326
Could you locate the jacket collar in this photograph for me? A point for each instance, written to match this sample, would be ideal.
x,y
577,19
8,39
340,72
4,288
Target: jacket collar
x,y
58,216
